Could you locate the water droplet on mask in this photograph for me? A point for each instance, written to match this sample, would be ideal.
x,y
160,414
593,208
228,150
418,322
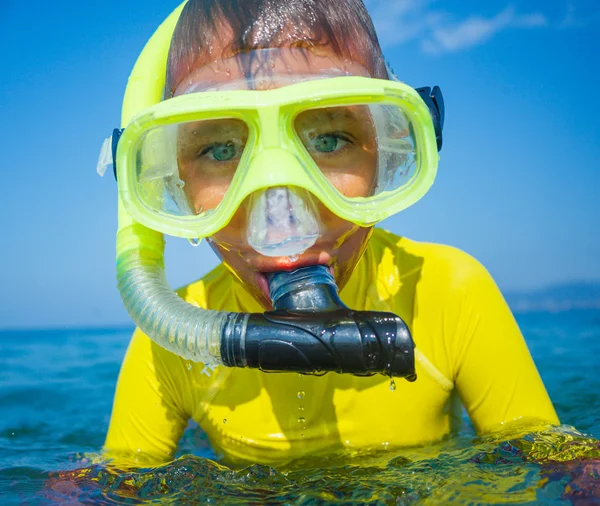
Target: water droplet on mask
x,y
302,435
300,408
301,394
194,242
188,366
301,419
293,258
392,385
224,420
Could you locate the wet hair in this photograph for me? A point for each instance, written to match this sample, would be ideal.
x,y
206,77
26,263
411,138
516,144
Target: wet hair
x,y
342,25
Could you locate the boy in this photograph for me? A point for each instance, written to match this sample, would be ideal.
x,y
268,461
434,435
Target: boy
x,y
469,347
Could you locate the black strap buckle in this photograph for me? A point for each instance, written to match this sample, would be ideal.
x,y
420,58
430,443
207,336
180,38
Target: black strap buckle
x,y
435,102
116,135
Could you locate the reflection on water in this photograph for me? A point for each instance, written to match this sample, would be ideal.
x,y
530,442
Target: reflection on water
x,y
56,391
536,467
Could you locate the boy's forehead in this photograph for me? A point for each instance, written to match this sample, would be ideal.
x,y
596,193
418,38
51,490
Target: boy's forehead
x,y
269,68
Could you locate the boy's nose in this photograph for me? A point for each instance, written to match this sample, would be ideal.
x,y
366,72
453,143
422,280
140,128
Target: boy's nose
x,y
281,222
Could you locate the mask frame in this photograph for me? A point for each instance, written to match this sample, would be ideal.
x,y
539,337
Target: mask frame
x,y
269,116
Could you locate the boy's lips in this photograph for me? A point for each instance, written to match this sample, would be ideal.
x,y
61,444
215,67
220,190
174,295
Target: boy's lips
x,y
263,265
263,284
277,264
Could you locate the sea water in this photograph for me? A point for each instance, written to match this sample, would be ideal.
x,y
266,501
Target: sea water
x,y
56,391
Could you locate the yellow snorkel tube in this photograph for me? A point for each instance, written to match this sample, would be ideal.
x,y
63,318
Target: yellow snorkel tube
x,y
185,330
310,329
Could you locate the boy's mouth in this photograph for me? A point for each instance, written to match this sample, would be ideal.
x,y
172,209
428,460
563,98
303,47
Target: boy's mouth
x,y
261,276
263,284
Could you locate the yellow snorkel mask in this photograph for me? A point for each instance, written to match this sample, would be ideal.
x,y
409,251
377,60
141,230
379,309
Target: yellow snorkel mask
x,y
300,136
185,165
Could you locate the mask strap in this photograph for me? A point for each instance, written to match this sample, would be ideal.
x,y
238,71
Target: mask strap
x,y
433,99
435,102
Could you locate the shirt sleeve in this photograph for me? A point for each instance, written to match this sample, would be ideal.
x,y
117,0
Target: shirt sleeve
x,y
149,411
492,368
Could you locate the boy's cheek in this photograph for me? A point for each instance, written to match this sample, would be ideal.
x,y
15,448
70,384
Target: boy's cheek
x,y
349,253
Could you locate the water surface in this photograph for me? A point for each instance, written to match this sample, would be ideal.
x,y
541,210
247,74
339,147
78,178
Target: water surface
x,y
56,389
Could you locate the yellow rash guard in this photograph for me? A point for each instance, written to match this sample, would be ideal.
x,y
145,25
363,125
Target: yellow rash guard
x,y
469,350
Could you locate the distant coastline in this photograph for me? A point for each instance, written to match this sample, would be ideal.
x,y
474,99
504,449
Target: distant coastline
x,y
556,298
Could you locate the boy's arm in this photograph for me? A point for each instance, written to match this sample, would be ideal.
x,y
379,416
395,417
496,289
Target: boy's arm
x,y
492,368
150,407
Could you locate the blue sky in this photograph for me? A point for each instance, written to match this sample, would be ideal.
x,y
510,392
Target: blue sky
x,y
519,175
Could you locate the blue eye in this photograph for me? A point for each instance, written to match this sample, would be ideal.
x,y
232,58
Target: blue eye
x,y
328,143
223,152
219,151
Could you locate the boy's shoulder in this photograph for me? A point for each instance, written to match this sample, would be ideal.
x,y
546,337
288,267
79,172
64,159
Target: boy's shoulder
x,y
433,261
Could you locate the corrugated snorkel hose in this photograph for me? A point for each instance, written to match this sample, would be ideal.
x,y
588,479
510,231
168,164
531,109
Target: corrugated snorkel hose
x,y
186,330
190,332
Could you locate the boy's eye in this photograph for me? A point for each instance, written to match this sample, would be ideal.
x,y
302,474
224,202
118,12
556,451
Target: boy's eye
x,y
220,151
328,143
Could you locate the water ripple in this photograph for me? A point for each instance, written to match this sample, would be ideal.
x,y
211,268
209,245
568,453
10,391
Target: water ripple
x,y
56,390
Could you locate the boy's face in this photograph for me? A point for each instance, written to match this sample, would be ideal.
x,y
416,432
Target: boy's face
x,y
352,170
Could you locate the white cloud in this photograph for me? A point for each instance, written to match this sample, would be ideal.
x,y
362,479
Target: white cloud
x,y
530,20
476,30
400,21
578,15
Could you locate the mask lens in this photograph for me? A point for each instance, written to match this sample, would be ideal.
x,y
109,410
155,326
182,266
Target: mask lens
x,y
363,150
185,169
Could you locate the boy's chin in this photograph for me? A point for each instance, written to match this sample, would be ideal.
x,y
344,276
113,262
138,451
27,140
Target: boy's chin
x,y
255,283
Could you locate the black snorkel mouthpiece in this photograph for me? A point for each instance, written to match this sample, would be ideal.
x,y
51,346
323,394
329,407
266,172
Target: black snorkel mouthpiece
x,y
311,331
